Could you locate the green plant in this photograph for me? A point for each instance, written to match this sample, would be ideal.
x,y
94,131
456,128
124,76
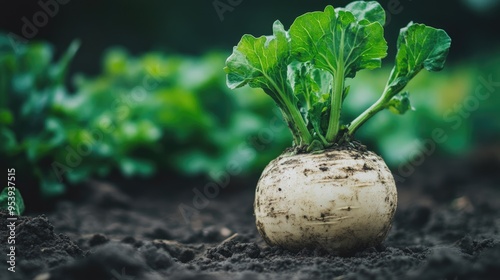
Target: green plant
x,y
12,201
329,192
305,69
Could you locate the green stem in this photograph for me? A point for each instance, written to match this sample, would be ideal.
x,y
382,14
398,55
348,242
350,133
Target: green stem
x,y
322,138
291,114
299,123
336,105
289,124
336,100
376,107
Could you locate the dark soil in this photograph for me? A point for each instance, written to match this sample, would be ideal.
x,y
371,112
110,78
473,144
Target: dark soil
x,y
446,227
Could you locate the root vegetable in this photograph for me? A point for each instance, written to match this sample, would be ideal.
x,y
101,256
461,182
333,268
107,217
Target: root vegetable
x,y
340,200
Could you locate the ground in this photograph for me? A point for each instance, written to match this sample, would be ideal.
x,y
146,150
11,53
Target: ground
x,y
446,227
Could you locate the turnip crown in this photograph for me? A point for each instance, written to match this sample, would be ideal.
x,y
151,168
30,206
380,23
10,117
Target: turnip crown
x,y
304,69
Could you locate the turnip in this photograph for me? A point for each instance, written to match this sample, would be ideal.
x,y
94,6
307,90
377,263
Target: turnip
x,y
327,190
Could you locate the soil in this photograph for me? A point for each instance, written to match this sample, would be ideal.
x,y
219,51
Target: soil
x,y
446,227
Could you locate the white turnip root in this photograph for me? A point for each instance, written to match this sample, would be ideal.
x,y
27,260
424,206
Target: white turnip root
x,y
339,200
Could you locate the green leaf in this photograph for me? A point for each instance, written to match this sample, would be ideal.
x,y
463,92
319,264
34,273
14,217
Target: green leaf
x,y
14,205
419,47
337,41
260,62
308,83
263,63
400,103
306,32
312,87
371,11
341,43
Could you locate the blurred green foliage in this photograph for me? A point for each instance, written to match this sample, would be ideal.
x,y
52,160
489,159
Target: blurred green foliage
x,y
161,113
165,112
29,85
141,116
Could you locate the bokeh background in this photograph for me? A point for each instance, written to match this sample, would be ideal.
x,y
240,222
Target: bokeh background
x,y
135,92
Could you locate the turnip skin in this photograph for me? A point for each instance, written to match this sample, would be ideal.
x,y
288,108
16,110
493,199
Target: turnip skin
x,y
339,200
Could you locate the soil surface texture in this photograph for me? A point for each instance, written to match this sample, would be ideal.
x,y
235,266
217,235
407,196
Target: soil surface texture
x,y
446,227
